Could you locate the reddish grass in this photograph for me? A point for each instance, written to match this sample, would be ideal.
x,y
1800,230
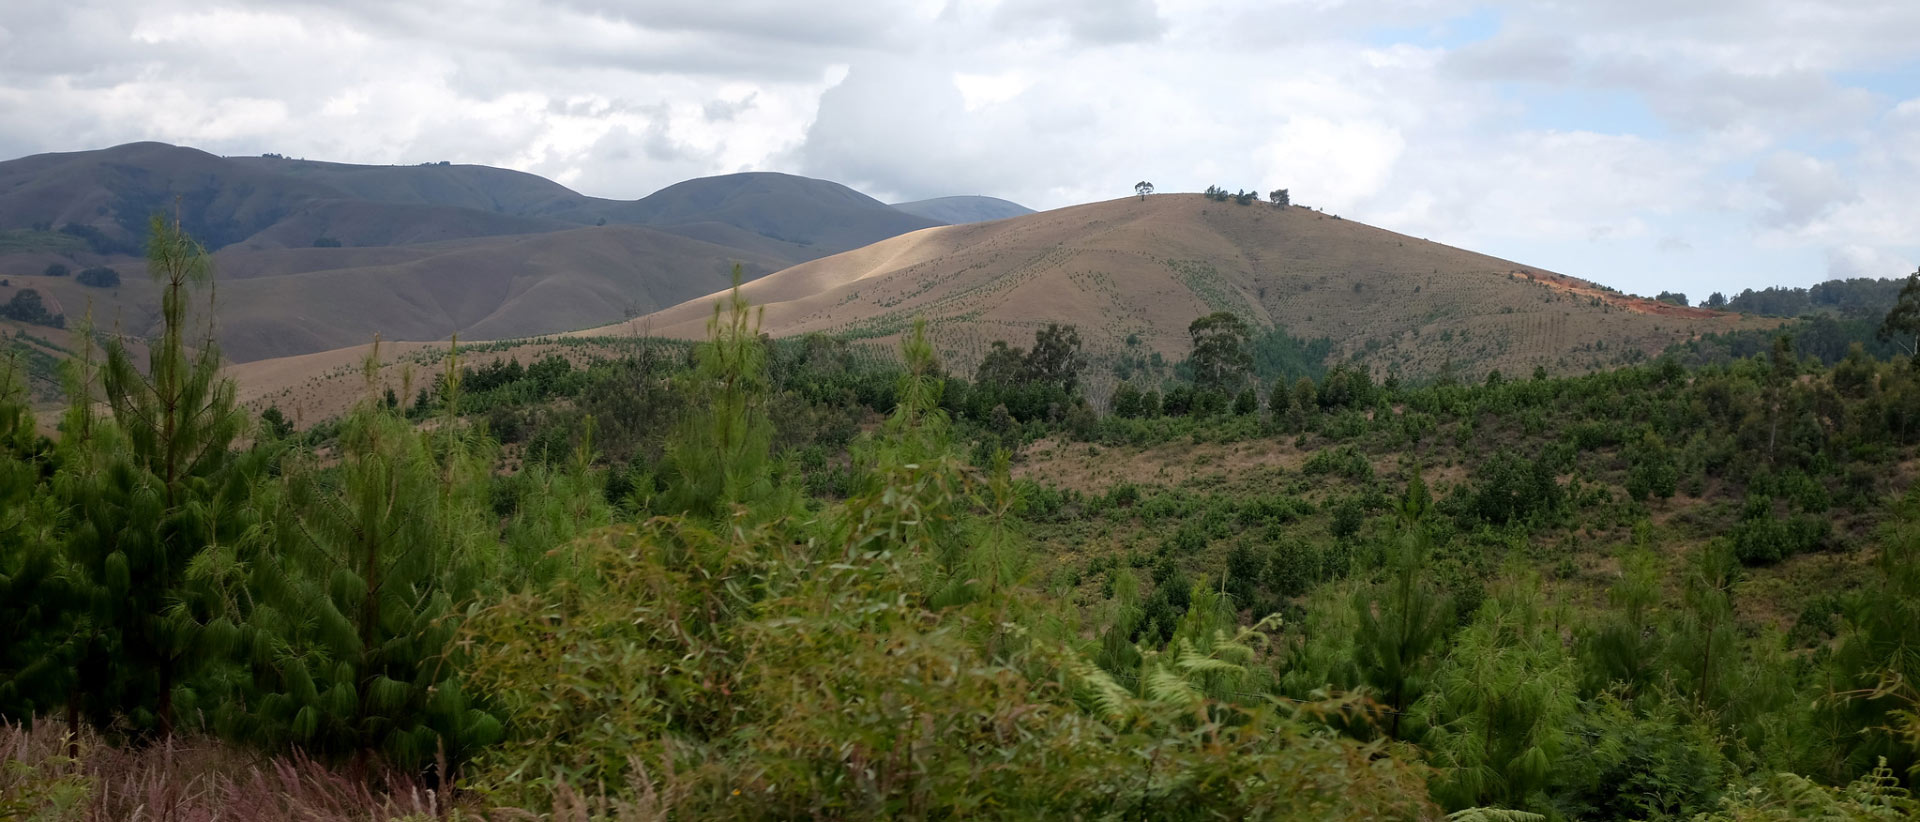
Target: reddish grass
x,y
191,780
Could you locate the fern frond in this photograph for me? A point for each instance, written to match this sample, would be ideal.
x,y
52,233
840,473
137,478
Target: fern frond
x,y
1493,815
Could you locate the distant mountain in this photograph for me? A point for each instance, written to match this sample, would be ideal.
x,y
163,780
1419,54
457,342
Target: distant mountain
x,y
105,198
815,216
964,209
316,255
1131,274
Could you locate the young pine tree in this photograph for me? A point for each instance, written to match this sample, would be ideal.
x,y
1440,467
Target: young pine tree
x,y
1874,674
157,527
1497,713
721,457
1624,649
373,562
1402,621
37,606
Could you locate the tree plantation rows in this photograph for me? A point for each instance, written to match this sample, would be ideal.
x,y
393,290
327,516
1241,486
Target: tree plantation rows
x,y
758,579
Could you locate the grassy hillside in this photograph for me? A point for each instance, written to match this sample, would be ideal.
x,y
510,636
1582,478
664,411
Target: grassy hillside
x,y
495,288
324,255
1132,274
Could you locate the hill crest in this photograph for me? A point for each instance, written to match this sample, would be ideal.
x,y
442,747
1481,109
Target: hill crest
x,y
1131,274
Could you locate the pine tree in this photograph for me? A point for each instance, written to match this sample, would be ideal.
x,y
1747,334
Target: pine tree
x,y
1402,621
1496,716
156,529
1624,649
721,457
37,605
1704,644
1873,678
361,595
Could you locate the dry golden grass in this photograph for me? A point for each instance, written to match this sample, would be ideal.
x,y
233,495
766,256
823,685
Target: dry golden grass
x,y
1149,267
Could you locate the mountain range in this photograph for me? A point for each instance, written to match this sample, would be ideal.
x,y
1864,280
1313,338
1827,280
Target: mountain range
x,y
316,257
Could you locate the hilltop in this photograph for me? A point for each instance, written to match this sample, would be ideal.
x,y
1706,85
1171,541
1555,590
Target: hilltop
x,y
1132,273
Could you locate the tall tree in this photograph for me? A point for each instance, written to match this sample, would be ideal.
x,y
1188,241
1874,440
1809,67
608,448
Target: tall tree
x,y
1003,365
157,528
1056,359
1497,713
1901,326
1143,188
1220,357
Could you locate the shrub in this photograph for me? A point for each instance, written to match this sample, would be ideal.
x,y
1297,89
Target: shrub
x,y
99,277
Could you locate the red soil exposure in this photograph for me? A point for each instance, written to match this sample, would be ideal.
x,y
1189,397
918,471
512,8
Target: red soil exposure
x,y
1638,305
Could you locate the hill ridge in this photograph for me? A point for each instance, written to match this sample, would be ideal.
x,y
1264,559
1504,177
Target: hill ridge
x,y
1132,269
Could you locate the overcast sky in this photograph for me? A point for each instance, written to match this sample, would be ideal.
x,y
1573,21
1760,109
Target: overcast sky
x,y
1648,144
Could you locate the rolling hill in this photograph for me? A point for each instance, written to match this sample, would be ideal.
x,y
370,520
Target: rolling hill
x,y
288,301
315,255
1131,274
964,209
105,198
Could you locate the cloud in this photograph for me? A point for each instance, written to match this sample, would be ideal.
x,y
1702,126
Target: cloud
x,y
1864,261
1801,189
1779,139
1101,22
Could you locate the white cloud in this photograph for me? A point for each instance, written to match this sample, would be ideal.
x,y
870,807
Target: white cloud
x,y
1599,139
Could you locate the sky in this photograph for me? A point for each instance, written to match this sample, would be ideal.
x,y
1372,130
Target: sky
x,y
1688,145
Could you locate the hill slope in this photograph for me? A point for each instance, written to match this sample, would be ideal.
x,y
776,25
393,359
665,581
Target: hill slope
x,y
318,255
1145,269
964,209
283,302
273,202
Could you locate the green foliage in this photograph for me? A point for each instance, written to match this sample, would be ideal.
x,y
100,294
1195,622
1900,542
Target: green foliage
x,y
158,530
1220,359
1495,717
361,591
26,306
1781,797
1873,677
1623,650
1651,468
37,604
99,277
720,459
688,667
1403,621
1510,488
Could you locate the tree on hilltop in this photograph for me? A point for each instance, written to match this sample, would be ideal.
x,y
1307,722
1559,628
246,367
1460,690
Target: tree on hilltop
x,y
1143,188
